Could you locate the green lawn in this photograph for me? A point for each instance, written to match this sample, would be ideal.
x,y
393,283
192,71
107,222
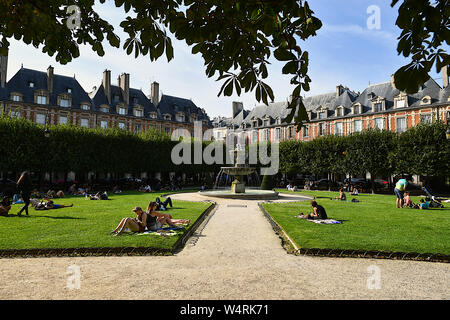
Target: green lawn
x,y
372,224
88,223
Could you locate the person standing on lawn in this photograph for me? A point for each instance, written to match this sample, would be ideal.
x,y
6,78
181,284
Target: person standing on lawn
x,y
399,191
24,185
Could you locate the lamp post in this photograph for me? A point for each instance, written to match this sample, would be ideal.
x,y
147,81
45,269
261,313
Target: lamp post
x,y
46,136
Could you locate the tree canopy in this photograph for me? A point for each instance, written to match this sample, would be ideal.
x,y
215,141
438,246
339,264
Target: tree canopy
x,y
235,38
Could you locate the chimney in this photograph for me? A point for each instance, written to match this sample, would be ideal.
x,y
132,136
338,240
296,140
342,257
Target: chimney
x,y
154,95
393,81
124,84
237,107
444,71
339,90
50,79
107,84
3,70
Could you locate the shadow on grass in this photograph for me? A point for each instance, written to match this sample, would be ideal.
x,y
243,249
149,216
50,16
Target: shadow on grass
x,y
39,216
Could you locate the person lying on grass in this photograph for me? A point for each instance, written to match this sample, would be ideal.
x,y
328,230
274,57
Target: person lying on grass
x,y
98,196
319,212
423,205
50,205
146,220
163,206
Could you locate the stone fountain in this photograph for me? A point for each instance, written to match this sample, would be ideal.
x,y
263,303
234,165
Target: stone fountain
x,y
238,189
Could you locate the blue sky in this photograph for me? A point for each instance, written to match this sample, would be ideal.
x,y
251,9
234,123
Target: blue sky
x,y
345,51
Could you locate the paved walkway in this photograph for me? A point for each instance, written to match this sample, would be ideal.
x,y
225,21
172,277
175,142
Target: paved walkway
x,y
234,255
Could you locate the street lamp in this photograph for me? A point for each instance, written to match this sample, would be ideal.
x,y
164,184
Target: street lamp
x,y
447,134
47,130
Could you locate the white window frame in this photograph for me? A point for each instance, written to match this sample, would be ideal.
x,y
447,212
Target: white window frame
x,y
84,123
40,118
60,122
40,99
65,104
401,129
359,127
122,111
103,124
376,126
339,129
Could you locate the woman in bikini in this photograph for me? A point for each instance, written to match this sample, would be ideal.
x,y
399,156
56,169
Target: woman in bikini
x,y
145,220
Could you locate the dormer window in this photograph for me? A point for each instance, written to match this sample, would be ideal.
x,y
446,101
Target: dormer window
x,y
85,107
41,99
356,109
116,98
278,120
255,123
266,123
378,107
322,114
180,117
135,100
30,84
153,115
64,103
16,98
425,100
122,111
167,117
69,90
104,109
138,113
339,112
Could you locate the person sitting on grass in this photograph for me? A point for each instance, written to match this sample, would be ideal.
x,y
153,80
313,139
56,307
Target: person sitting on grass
x,y
146,188
355,192
319,212
116,189
341,195
145,220
423,205
407,201
5,206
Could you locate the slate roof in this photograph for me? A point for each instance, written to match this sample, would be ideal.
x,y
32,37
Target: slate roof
x,y
168,104
173,105
346,99
20,83
137,97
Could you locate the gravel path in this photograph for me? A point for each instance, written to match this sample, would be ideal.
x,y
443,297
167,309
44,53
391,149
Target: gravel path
x,y
234,255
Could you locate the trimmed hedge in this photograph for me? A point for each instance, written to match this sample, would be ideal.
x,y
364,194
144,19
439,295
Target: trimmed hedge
x,y
23,146
422,150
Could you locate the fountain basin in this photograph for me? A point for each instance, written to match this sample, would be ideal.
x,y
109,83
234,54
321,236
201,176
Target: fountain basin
x,y
238,171
250,194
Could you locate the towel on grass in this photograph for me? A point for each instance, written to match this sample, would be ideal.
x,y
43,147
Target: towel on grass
x,y
165,232
322,221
